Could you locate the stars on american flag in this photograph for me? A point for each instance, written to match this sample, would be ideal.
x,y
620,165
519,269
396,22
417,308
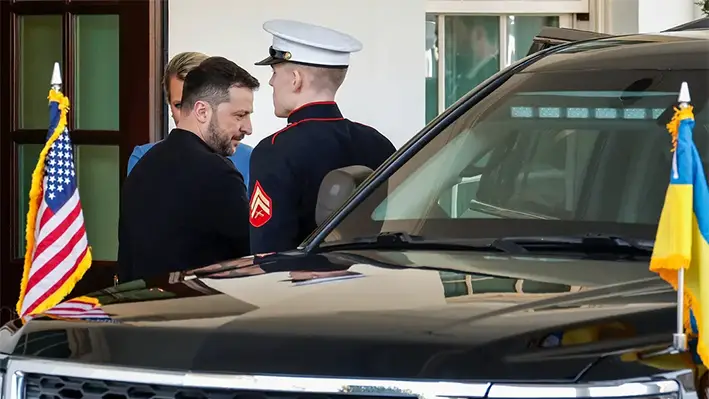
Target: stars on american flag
x,y
59,170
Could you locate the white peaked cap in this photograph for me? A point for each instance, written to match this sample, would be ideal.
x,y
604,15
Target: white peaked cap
x,y
308,44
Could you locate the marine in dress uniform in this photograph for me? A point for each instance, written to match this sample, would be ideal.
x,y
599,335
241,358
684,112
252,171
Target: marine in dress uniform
x,y
288,166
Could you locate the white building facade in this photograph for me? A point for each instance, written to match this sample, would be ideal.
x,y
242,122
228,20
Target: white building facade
x,y
419,56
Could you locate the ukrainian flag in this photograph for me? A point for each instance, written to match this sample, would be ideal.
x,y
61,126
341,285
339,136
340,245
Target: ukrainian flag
x,y
682,240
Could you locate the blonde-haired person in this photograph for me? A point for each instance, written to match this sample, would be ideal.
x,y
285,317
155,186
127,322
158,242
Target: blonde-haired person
x,y
172,81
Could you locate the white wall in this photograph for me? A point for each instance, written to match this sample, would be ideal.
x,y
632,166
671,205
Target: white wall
x,y
633,16
385,85
658,15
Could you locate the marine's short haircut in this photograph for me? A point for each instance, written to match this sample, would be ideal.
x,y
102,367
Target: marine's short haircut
x,y
323,78
211,81
179,66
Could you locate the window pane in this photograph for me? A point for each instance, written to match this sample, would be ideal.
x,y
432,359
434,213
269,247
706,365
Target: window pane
x,y
431,68
472,51
97,170
40,42
520,34
96,102
27,156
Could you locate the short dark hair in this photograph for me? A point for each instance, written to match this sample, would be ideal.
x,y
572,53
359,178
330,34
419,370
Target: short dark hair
x,y
211,81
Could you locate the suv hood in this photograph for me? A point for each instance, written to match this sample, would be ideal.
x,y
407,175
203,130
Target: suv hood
x,y
362,314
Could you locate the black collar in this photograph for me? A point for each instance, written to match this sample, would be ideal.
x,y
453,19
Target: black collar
x,y
185,136
318,110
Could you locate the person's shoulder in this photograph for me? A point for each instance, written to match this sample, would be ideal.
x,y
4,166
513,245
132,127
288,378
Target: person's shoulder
x,y
243,149
364,127
241,158
287,149
216,162
300,135
139,150
215,171
280,141
372,132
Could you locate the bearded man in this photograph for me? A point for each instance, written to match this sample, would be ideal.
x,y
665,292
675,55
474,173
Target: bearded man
x,y
184,205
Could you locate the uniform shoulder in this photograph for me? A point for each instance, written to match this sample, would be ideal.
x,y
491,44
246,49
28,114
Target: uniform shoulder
x,y
289,134
286,138
372,131
365,127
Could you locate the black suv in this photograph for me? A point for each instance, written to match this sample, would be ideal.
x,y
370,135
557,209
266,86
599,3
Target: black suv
x,y
502,253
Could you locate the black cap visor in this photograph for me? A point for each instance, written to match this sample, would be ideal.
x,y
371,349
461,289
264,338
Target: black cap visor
x,y
275,57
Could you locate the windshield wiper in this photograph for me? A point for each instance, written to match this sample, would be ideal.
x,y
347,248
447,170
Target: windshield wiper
x,y
403,240
593,245
590,246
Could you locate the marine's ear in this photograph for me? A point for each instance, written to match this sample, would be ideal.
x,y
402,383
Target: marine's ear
x,y
298,79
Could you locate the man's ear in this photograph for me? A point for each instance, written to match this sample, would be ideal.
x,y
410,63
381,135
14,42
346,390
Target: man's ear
x,y
298,80
201,111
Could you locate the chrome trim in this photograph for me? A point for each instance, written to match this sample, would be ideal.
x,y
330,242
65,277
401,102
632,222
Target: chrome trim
x,y
18,367
596,390
14,387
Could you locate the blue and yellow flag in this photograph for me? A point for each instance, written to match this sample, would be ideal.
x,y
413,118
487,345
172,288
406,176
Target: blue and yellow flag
x,y
682,240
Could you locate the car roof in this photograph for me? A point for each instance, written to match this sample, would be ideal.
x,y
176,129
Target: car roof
x,y
658,51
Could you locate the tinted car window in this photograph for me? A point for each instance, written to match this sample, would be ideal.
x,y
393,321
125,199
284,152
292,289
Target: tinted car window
x,y
544,150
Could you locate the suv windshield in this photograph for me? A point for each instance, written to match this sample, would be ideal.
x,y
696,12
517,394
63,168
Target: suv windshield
x,y
564,152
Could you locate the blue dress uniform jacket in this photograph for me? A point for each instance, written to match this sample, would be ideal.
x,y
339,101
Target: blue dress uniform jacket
x,y
288,167
240,158
183,206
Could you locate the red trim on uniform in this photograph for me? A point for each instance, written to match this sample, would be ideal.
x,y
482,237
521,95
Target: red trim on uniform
x,y
313,103
273,138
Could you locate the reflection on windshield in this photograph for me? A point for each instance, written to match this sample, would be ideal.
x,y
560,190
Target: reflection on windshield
x,y
582,147
465,287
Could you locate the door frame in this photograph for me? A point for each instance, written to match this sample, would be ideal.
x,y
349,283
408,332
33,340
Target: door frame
x,y
142,29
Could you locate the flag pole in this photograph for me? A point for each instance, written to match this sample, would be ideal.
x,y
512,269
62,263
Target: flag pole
x,y
56,81
679,338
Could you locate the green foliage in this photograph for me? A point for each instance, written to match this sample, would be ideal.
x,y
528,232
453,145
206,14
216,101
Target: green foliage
x,y
704,4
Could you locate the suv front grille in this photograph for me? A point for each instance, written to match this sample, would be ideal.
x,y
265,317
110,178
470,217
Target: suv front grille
x,y
48,379
39,386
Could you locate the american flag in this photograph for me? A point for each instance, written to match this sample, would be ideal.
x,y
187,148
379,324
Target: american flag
x,y
82,308
58,253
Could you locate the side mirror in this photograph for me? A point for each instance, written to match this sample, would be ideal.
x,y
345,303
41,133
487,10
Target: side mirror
x,y
337,187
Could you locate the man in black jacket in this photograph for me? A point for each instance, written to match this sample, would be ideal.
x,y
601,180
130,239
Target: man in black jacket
x,y
185,204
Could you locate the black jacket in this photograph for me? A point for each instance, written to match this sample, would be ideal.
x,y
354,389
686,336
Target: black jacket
x,y
183,206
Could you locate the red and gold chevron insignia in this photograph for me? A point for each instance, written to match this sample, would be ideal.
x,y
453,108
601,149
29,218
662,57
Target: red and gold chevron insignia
x,y
260,207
